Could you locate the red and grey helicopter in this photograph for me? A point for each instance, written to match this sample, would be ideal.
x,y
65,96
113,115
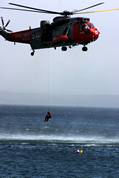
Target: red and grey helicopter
x,y
65,31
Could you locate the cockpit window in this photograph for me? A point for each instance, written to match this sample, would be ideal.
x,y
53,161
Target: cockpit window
x,y
84,26
90,25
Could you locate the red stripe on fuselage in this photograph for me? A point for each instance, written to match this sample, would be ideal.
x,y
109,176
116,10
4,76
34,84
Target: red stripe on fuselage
x,y
22,36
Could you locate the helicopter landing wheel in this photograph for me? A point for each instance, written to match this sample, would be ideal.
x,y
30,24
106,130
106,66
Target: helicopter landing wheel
x,y
64,48
32,53
84,48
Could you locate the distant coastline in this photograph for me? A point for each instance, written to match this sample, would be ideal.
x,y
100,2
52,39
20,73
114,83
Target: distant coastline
x,y
101,101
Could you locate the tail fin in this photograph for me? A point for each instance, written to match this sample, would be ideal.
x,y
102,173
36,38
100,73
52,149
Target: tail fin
x,y
4,34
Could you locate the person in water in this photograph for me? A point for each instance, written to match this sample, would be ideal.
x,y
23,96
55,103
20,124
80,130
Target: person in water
x,y
48,116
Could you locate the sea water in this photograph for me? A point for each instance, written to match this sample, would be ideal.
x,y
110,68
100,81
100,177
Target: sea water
x,y
32,148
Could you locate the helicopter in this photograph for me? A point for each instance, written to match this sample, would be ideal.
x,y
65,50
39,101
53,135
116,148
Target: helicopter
x,y
64,31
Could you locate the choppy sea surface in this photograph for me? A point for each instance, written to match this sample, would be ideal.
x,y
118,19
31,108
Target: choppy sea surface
x,y
75,143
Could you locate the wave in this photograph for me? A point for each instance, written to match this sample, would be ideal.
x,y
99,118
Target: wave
x,y
59,139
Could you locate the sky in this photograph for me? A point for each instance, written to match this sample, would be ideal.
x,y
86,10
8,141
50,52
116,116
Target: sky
x,y
54,77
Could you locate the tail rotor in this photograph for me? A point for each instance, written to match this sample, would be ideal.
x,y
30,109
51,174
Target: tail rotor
x,y
5,25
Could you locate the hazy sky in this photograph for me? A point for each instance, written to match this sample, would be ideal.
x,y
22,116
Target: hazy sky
x,y
53,72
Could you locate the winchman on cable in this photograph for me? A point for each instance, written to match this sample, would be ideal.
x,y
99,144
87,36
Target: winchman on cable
x,y
48,116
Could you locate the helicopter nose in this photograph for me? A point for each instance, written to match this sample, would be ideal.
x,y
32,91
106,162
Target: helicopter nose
x,y
95,33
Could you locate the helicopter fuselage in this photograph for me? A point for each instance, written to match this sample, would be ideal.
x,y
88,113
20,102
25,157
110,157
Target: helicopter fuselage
x,y
62,32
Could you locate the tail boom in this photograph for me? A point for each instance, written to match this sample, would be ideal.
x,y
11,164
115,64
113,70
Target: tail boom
x,y
20,37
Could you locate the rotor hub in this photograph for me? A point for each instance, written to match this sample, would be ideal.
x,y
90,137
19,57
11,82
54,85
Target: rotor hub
x,y
67,13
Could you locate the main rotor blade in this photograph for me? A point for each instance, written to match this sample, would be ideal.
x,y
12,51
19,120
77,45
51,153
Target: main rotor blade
x,y
75,11
18,9
36,9
99,11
